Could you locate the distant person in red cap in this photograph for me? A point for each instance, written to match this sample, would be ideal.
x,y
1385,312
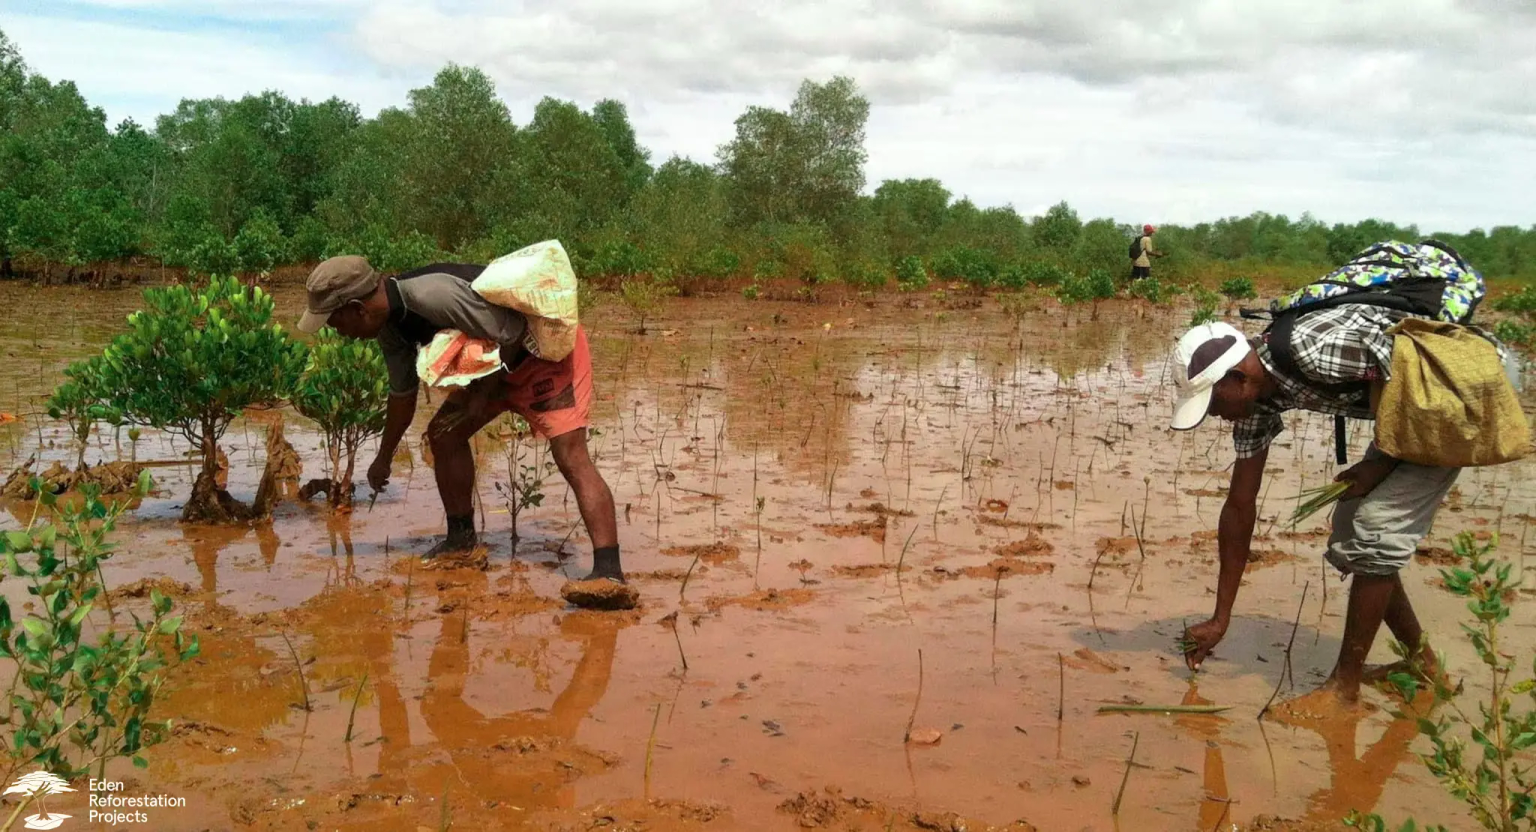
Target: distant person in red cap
x,y
1143,264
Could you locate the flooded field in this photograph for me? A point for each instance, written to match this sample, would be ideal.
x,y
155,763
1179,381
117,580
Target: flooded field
x,y
842,520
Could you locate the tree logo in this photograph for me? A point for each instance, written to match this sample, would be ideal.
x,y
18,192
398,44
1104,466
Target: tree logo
x,y
36,786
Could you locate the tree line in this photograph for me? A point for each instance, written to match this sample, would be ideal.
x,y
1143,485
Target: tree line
x,y
240,187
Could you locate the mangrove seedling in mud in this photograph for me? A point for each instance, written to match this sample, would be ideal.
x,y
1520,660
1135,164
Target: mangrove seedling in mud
x,y
345,389
525,488
76,703
1239,288
1494,783
80,402
1206,302
644,298
190,362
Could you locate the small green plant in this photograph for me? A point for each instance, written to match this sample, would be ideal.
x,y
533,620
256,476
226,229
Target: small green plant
x,y
81,402
751,291
865,276
74,703
910,274
1097,286
345,389
1494,783
1206,302
1516,333
1522,302
1045,273
1239,288
190,362
1154,291
1016,305
526,487
645,297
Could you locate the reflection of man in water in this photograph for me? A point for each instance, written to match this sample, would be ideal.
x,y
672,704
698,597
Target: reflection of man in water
x,y
469,736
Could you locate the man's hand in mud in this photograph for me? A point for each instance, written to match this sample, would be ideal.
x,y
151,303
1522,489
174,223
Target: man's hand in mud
x,y
1200,640
378,473
1364,476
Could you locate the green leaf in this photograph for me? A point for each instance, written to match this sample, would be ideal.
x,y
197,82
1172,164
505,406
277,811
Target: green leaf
x,y
140,762
79,615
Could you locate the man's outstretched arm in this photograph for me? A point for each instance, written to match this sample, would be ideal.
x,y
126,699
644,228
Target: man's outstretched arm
x,y
1234,539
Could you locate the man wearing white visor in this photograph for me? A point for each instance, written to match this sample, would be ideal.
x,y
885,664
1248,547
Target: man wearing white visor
x,y
1378,523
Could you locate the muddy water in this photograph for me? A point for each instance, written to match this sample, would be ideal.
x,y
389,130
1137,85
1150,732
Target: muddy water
x,y
938,488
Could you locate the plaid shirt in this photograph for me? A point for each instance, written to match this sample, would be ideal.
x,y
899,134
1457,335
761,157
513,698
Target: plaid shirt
x,y
1343,345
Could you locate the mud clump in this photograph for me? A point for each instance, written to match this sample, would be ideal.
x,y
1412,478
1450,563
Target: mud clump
x,y
714,554
1436,556
110,477
1007,567
680,815
864,570
1261,558
1030,547
765,600
830,809
600,595
145,587
872,529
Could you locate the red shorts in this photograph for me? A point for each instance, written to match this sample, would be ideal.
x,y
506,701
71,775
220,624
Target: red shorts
x,y
555,397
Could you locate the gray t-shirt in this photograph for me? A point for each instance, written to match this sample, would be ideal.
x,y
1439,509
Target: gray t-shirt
x,y
422,305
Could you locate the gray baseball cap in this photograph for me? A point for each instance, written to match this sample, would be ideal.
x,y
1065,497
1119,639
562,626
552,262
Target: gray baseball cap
x,y
332,285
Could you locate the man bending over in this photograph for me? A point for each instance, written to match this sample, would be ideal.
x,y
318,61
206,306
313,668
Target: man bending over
x,y
404,313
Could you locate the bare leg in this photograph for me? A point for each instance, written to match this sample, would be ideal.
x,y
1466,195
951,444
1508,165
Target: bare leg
x,y
1404,624
1369,598
593,498
453,461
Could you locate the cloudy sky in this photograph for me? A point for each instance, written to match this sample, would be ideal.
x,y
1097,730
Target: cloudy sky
x,y
1418,111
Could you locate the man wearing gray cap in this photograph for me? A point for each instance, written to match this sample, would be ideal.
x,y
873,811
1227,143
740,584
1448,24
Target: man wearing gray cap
x,y
1377,525
404,313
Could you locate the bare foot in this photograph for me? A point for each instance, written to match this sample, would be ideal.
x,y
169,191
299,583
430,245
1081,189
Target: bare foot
x,y
1328,702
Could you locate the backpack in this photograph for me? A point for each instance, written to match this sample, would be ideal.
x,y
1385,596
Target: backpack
x,y
1429,279
1136,247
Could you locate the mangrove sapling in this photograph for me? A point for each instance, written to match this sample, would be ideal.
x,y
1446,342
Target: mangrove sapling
x,y
644,298
81,402
72,704
918,700
1125,778
1285,669
525,488
1500,791
344,388
357,696
190,362
298,666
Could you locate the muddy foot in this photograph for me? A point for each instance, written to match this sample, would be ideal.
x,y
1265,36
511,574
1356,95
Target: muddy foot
x,y
452,546
600,594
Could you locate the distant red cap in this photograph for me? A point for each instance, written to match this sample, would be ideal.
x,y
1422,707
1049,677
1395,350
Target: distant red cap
x,y
1147,229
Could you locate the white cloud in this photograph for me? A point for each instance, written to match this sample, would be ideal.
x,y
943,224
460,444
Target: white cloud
x,y
1168,110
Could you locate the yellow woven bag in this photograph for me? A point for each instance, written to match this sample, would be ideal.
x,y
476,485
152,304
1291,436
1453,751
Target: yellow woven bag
x,y
1448,402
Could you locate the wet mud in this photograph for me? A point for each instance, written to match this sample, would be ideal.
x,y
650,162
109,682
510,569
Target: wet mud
x,y
812,505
